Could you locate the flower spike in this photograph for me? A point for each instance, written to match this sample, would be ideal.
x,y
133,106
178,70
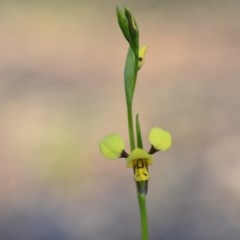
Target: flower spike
x,y
113,146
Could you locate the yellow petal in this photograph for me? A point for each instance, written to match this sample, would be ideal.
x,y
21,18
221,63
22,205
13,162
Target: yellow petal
x,y
141,56
160,139
112,146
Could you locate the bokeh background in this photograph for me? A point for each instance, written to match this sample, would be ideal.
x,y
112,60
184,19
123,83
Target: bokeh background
x,y
61,91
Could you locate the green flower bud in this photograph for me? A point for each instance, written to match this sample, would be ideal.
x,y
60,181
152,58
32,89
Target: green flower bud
x,y
133,29
129,28
123,23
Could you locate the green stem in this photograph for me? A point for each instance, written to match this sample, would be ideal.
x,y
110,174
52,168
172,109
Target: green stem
x,y
130,126
143,216
141,198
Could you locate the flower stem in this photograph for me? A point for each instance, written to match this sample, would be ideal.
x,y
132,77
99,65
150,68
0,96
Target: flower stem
x,y
143,216
141,197
130,126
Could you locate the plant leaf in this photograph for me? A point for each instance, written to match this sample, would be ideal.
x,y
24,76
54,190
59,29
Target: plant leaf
x,y
130,75
138,132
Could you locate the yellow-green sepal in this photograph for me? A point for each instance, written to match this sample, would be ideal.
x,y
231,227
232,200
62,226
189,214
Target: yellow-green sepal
x,y
136,154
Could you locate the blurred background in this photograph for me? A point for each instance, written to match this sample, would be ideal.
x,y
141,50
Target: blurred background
x,y
61,91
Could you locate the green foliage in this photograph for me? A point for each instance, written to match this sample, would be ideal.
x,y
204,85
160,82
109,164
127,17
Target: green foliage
x,y
130,75
139,133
